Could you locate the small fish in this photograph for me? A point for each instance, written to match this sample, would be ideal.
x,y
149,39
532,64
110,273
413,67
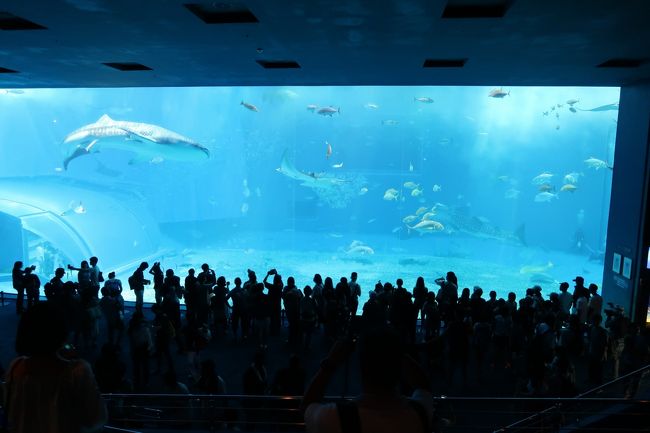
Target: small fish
x,y
557,115
391,194
258,192
483,133
390,122
411,167
545,113
557,127
545,197
249,106
512,194
596,163
424,99
444,141
428,216
542,178
498,93
371,106
546,187
436,188
416,192
80,210
156,160
427,226
572,178
328,152
569,187
553,108
312,107
410,185
573,110
560,105
372,220
335,235
339,165
421,210
58,169
409,219
572,101
396,229
363,191
329,111
244,208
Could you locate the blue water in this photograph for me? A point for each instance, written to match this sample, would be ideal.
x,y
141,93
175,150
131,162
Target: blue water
x,y
236,211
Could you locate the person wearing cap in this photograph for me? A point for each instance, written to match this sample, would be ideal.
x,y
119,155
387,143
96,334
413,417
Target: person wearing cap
x,y
565,298
580,290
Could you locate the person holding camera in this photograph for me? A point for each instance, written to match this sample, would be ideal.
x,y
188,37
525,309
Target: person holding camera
x,y
17,274
137,283
275,300
380,407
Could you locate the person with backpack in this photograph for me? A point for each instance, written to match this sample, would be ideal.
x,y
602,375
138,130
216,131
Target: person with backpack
x,y
137,283
380,407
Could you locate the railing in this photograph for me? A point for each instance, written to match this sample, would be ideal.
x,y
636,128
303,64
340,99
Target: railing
x,y
207,413
204,412
620,396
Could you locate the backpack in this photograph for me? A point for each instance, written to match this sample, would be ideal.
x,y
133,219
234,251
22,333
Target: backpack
x,y
131,282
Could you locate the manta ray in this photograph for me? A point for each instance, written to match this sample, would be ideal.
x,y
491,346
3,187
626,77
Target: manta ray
x,y
148,142
608,107
310,179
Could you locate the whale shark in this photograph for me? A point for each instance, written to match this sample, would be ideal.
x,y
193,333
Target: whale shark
x,y
458,220
309,179
148,142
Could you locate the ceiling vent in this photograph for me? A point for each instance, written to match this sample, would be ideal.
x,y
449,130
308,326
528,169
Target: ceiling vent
x,y
222,13
12,22
7,71
278,64
444,63
128,66
622,63
476,9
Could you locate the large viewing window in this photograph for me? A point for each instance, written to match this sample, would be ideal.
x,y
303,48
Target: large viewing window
x,y
507,187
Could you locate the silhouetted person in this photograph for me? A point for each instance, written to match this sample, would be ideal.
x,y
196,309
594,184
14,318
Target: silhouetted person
x,y
17,274
83,278
32,286
275,300
355,293
45,391
54,288
141,345
240,316
158,280
137,283
96,276
291,297
191,294
380,407
308,316
219,305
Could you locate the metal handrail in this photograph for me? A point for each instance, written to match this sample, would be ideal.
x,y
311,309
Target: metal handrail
x,y
557,402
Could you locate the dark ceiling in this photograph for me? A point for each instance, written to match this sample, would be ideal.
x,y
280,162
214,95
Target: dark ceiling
x,y
536,42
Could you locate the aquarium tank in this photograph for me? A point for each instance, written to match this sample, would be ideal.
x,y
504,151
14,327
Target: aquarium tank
x,y
508,187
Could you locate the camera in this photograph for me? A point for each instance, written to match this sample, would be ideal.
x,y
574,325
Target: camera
x,y
273,272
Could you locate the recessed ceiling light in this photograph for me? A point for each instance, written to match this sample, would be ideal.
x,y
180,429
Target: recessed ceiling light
x,y
444,63
622,63
12,22
494,9
128,66
222,13
278,64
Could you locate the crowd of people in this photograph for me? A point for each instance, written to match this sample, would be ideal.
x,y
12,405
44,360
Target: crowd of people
x,y
541,340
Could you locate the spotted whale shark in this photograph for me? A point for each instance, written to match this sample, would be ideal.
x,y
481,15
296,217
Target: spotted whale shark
x,y
148,142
